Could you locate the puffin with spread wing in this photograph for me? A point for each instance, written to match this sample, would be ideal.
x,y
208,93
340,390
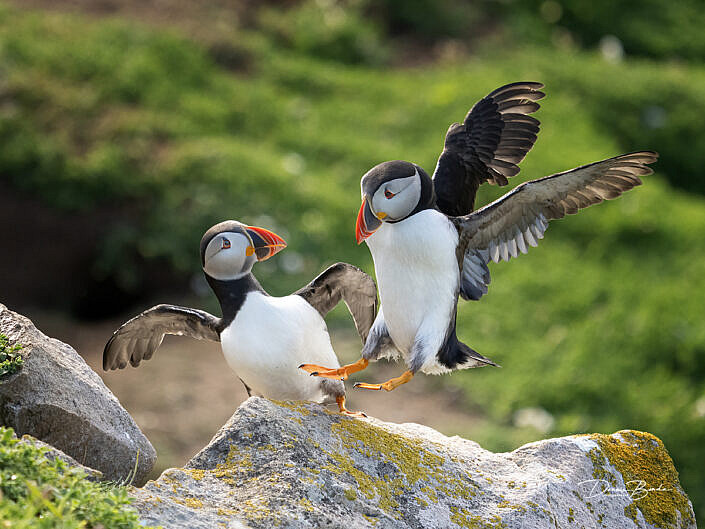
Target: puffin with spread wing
x,y
429,246
264,338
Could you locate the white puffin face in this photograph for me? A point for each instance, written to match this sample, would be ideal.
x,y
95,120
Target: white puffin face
x,y
394,200
229,256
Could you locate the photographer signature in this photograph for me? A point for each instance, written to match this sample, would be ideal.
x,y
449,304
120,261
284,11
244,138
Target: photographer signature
x,y
635,489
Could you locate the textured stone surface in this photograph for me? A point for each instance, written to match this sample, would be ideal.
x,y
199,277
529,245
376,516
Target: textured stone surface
x,y
297,465
54,453
57,398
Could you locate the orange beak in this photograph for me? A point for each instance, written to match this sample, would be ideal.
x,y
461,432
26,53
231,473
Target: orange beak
x,y
367,223
266,242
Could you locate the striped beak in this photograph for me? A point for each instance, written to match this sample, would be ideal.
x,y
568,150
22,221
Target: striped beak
x,y
367,222
266,242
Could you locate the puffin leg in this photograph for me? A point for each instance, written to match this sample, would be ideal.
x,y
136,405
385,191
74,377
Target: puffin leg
x,y
343,410
390,384
341,373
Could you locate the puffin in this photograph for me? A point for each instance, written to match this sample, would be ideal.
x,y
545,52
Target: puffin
x,y
430,247
264,338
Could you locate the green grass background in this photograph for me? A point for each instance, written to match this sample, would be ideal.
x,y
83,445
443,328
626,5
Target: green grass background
x,y
274,121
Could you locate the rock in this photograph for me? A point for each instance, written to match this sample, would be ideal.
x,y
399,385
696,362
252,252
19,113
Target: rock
x,y
52,453
57,398
296,465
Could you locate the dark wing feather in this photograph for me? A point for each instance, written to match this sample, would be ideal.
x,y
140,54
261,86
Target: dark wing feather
x,y
138,338
495,136
508,226
347,282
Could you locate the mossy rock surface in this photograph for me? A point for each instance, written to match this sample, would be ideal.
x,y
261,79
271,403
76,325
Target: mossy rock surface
x,y
282,464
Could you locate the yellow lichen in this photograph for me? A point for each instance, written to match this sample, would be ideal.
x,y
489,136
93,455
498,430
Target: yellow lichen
x,y
464,518
258,509
504,504
196,473
649,476
559,476
414,462
294,405
192,503
306,504
351,494
430,493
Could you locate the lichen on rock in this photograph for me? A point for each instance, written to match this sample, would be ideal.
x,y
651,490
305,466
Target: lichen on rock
x,y
649,476
297,465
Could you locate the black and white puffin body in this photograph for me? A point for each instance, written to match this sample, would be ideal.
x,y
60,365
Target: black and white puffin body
x,y
264,338
429,246
269,338
418,279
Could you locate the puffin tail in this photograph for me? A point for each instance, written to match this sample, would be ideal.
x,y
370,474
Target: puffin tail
x,y
454,354
473,358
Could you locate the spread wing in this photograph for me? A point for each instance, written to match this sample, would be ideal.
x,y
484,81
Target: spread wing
x,y
347,282
508,226
138,338
495,136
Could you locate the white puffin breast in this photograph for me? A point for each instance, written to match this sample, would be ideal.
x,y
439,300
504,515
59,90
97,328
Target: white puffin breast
x,y
268,340
417,276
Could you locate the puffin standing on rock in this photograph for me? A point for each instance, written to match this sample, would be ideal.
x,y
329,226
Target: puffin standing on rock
x,y
429,246
264,338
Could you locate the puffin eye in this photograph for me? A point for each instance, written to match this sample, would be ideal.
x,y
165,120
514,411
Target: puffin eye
x,y
226,244
388,193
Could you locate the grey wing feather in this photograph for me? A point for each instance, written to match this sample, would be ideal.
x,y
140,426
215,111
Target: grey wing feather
x,y
476,275
494,137
514,222
138,338
347,282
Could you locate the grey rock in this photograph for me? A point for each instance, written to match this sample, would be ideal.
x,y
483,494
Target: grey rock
x,y
57,398
296,465
52,453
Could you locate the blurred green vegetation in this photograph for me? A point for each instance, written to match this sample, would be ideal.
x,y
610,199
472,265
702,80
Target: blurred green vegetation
x,y
647,28
602,325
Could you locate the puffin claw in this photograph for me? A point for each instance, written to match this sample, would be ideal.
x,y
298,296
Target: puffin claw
x,y
389,385
340,400
363,385
357,414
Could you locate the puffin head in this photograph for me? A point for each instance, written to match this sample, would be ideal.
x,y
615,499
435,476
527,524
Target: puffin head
x,y
230,248
392,191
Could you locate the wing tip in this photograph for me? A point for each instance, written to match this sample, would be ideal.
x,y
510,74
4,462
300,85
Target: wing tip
x,y
108,364
654,155
532,86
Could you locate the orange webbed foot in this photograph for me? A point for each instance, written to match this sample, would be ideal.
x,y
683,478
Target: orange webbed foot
x,y
344,411
340,373
389,385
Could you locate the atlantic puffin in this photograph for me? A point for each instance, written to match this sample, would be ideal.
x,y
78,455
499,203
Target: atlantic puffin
x,y
264,338
428,245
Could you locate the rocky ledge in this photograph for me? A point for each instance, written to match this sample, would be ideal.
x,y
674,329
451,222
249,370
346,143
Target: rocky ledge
x,y
295,465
